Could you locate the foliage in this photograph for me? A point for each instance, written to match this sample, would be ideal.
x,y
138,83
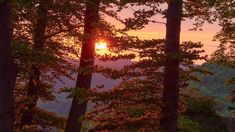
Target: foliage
x,y
50,52
137,99
135,104
78,93
199,108
44,121
225,12
119,110
188,125
224,55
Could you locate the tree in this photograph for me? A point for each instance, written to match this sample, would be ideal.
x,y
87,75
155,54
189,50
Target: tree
x,y
7,70
225,51
171,67
172,48
172,39
199,10
57,23
219,55
86,60
34,75
225,55
42,54
135,104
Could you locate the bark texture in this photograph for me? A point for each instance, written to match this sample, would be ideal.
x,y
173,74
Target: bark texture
x,y
7,71
87,59
171,68
34,75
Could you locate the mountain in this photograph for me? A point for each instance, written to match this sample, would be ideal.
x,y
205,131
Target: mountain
x,y
214,85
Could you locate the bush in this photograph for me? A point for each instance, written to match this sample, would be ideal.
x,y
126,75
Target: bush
x,y
200,115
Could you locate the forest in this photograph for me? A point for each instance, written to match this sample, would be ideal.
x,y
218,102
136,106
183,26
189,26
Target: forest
x,y
117,66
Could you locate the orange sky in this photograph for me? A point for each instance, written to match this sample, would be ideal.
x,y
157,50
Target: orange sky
x,y
155,30
205,36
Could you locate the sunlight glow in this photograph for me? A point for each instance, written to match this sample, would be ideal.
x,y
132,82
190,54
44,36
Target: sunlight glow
x,y
101,45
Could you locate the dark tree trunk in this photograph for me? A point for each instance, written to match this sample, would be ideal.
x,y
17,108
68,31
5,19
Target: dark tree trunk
x,y
87,59
7,71
34,75
171,68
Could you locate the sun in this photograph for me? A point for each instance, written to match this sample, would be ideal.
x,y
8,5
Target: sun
x,y
101,45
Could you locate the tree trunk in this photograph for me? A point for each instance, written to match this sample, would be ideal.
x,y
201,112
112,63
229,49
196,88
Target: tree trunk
x,y
34,75
87,59
7,71
171,68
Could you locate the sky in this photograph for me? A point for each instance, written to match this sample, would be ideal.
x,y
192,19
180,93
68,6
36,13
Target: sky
x,y
156,30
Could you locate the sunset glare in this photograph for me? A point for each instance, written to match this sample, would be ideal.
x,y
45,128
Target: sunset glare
x,y
101,45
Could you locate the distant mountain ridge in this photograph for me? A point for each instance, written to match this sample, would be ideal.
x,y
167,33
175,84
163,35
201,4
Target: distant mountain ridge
x,y
215,86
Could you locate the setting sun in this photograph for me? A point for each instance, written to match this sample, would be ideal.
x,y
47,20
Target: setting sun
x,y
101,45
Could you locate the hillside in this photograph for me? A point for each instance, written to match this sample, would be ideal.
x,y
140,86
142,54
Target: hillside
x,y
214,85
